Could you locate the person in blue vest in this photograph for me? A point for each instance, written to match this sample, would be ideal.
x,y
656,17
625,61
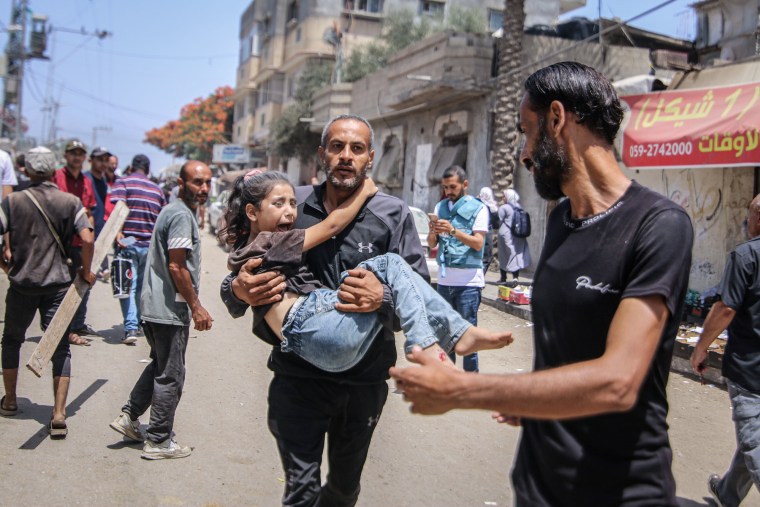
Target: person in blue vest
x,y
99,158
460,233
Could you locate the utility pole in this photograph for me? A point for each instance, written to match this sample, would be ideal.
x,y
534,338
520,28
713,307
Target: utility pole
x,y
102,128
16,52
50,110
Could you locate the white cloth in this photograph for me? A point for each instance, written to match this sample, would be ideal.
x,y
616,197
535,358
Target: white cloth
x,y
7,174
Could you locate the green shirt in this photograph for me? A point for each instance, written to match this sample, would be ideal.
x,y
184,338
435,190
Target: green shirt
x,y
160,302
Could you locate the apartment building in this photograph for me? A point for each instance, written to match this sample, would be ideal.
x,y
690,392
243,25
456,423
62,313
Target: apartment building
x,y
727,30
278,38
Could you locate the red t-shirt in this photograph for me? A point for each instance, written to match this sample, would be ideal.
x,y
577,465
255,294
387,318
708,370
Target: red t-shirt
x,y
80,187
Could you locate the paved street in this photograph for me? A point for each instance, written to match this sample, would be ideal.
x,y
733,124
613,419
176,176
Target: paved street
x,y
460,459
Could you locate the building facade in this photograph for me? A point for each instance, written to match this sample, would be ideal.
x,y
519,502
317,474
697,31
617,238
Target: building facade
x,y
278,39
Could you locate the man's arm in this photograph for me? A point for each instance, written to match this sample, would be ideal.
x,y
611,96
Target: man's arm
x,y
184,285
717,320
610,383
88,249
340,217
361,291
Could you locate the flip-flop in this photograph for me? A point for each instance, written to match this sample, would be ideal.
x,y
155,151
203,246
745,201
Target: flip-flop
x,y
58,430
75,339
7,412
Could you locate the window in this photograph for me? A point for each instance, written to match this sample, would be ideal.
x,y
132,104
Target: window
x,y
373,6
388,170
292,11
432,8
263,119
449,153
495,19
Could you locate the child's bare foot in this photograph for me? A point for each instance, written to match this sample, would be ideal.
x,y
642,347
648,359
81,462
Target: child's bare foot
x,y
435,351
477,338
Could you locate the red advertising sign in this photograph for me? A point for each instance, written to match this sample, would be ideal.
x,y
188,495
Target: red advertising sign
x,y
709,127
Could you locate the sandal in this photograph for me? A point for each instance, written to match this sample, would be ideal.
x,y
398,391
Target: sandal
x,y
75,339
58,430
7,412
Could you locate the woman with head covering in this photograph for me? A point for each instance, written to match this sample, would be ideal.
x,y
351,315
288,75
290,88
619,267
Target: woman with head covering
x,y
514,253
486,197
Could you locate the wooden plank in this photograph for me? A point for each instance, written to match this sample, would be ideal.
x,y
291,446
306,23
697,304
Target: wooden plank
x,y
54,332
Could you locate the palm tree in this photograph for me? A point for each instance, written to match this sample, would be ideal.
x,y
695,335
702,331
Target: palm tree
x,y
506,139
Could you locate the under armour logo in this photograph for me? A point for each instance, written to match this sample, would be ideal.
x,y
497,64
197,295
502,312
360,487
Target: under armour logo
x,y
371,421
368,248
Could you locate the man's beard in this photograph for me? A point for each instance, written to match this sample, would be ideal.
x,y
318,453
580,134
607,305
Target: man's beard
x,y
346,184
550,166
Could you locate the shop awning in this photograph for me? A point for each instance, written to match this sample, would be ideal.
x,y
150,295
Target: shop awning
x,y
710,126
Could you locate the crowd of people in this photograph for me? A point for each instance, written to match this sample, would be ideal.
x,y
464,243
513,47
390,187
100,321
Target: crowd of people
x,y
326,269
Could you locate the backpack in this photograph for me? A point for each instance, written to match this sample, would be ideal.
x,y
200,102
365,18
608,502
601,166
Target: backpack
x,y
520,223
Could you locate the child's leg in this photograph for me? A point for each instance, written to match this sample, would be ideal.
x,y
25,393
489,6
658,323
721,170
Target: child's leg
x,y
425,316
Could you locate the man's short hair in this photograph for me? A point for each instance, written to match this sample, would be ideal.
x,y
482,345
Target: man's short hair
x,y
142,163
457,171
582,91
323,141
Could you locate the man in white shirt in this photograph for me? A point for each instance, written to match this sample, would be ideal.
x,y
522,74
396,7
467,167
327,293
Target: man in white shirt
x,y
460,231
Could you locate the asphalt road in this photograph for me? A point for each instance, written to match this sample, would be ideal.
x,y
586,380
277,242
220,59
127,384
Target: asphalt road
x,y
459,459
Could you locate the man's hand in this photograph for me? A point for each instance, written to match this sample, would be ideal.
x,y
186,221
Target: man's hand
x,y
431,387
261,289
512,420
119,237
441,226
698,358
361,292
88,276
201,319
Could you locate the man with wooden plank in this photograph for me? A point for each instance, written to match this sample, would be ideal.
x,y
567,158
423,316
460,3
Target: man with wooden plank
x,y
42,221
168,301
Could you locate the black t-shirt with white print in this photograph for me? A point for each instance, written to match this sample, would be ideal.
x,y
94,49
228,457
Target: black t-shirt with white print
x,y
641,246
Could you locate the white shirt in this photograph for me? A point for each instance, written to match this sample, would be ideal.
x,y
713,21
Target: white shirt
x,y
7,174
466,277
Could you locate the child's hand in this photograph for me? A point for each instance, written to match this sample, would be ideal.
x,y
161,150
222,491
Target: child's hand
x,y
369,187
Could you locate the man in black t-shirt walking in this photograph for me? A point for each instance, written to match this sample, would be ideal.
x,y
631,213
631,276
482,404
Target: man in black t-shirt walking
x,y
307,404
607,298
738,310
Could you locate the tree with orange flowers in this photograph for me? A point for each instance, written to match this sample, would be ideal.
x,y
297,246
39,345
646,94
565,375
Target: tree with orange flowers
x,y
201,124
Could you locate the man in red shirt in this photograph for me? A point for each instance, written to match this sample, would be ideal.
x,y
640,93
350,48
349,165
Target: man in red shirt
x,y
71,179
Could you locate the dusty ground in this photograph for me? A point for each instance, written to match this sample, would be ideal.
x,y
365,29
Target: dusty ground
x,y
459,459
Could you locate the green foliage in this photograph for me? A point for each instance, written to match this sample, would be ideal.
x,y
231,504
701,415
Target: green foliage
x,y
402,28
466,20
290,137
316,75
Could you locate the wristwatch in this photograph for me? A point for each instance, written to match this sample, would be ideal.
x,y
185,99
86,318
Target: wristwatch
x,y
453,231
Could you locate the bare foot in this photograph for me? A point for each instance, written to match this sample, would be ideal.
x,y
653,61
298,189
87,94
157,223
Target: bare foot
x,y
436,352
477,338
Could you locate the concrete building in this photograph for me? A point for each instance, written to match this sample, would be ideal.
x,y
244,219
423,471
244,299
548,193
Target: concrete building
x,y
727,30
432,107
279,38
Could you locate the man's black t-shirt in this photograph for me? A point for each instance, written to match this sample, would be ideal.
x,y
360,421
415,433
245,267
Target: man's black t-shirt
x,y
384,225
740,291
641,246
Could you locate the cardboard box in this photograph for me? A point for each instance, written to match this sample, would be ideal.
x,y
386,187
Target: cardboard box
x,y
504,292
518,297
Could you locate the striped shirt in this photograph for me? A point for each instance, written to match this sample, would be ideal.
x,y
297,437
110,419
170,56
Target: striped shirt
x,y
144,200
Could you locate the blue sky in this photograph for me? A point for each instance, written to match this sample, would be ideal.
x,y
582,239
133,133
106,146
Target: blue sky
x,y
162,55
